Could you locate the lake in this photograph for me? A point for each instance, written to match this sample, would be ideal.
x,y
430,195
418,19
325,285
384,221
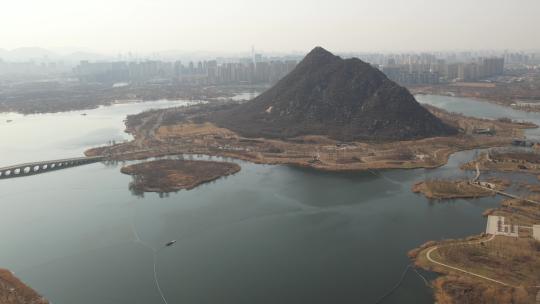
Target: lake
x,y
269,234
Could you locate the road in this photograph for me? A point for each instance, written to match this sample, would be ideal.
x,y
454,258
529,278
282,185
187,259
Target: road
x,y
145,130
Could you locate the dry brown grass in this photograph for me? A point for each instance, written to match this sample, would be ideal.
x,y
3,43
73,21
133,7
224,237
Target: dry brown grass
x,y
473,84
460,289
519,211
500,93
449,189
13,291
510,260
533,188
515,261
207,139
505,163
173,175
191,129
190,136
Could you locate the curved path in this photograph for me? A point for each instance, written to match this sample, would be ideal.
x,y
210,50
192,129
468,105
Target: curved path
x,y
428,256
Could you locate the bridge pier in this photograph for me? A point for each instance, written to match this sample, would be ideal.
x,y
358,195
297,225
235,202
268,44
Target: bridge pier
x,y
45,166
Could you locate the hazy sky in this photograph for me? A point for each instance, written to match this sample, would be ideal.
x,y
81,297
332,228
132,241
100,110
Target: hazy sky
x,y
275,25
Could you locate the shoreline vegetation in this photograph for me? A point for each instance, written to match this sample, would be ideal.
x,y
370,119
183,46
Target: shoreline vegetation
x,y
495,269
468,262
477,269
506,161
13,291
523,96
53,97
455,189
173,175
181,131
482,269
178,131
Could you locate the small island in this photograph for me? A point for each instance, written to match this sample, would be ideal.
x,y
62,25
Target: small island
x,y
169,175
454,189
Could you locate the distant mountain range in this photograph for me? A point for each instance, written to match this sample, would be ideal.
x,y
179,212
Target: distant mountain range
x,y
346,99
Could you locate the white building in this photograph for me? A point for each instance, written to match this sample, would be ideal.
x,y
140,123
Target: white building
x,y
496,225
536,233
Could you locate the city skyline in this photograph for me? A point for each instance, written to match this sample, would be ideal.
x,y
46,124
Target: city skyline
x,y
404,68
111,27
74,56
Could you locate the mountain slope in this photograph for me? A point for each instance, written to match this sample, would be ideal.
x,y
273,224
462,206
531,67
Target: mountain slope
x,y
346,99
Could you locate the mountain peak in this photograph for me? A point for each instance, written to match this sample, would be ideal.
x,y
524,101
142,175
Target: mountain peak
x,y
319,51
319,54
343,99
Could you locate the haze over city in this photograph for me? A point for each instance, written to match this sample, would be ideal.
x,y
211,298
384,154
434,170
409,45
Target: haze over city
x,y
292,152
143,26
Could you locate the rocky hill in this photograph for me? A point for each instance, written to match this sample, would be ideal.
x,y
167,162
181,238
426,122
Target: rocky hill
x,y
346,99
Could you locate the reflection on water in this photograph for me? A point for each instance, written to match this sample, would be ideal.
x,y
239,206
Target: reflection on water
x,y
268,234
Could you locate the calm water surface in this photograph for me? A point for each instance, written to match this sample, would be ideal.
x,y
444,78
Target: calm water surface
x,y
269,234
67,134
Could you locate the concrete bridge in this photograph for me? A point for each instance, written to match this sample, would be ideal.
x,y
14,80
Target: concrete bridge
x,y
45,166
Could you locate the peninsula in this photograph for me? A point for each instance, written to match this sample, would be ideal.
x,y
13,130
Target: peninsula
x,y
500,266
488,268
329,113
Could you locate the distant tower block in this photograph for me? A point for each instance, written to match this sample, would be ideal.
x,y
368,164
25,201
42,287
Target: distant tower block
x,y
496,225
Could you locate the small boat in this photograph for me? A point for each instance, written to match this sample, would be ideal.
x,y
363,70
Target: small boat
x,y
84,114
170,243
9,120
